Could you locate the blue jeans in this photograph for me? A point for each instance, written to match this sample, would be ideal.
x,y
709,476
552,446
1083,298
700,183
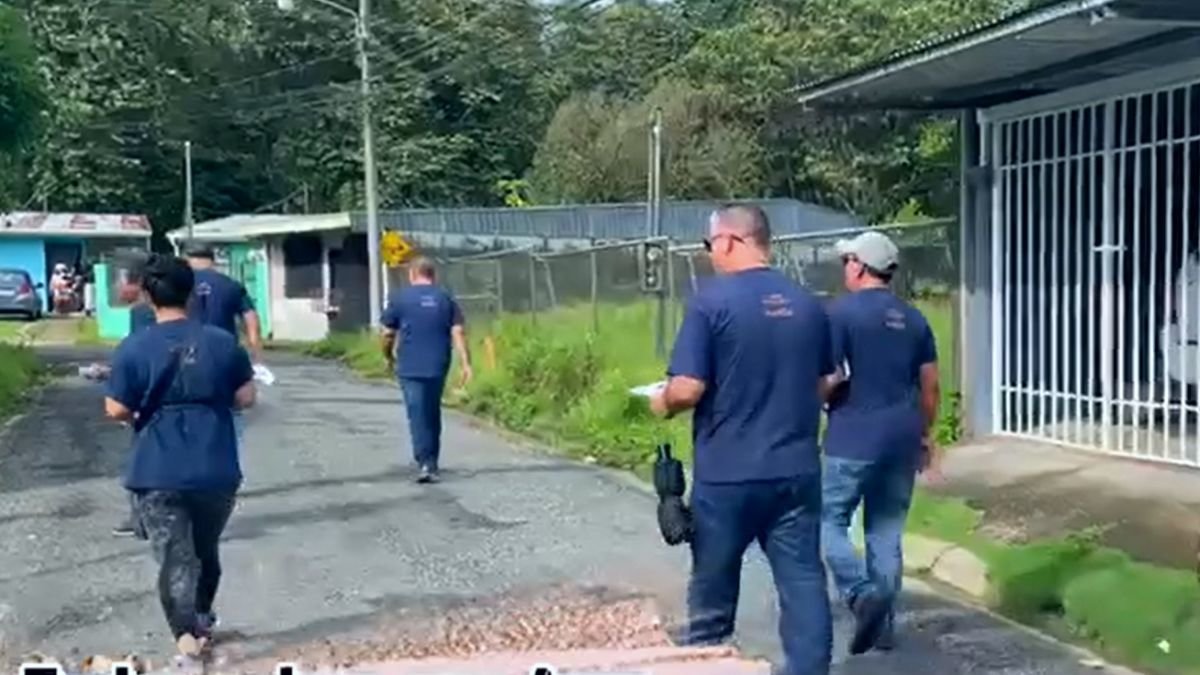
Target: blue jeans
x,y
884,488
784,518
239,427
423,402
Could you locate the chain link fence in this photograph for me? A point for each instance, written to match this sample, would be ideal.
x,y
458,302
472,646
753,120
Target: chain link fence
x,y
584,285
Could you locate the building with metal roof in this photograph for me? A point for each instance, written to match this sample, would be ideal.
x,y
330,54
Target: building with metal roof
x,y
1080,216
36,242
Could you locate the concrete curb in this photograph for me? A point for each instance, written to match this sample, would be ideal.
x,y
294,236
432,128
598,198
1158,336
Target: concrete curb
x,y
946,563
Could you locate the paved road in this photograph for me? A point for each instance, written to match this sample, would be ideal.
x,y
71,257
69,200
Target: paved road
x,y
331,537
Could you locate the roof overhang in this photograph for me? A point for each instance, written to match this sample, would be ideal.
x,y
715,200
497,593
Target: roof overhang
x,y
1031,53
67,234
240,228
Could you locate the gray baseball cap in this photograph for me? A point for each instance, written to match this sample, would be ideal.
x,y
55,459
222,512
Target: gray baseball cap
x,y
873,249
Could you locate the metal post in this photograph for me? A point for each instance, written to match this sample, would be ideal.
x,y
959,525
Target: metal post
x,y
595,289
187,178
373,263
1108,272
532,289
660,338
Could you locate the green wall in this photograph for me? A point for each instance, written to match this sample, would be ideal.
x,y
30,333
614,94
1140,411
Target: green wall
x,y
248,264
112,322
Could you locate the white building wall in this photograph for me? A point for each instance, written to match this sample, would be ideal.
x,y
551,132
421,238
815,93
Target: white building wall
x,y
293,319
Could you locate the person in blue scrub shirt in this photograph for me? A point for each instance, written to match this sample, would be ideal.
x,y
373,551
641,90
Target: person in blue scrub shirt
x,y
751,360
221,301
141,316
877,439
178,383
423,322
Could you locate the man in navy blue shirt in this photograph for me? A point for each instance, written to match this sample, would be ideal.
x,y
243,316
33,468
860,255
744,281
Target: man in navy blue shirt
x,y
751,359
878,434
141,316
221,301
178,383
427,321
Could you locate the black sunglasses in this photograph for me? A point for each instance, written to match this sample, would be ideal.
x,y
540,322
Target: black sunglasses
x,y
708,242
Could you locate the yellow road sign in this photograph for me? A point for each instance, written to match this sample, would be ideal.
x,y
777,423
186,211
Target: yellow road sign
x,y
395,249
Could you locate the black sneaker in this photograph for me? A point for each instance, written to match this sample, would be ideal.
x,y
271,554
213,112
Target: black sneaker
x,y
870,615
426,475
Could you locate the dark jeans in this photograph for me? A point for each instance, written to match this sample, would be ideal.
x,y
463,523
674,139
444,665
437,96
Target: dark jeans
x,y
784,518
884,488
184,528
135,521
423,402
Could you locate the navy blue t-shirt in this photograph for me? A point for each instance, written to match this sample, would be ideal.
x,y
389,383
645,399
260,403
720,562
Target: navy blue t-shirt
x,y
180,378
883,341
141,316
423,315
218,300
761,344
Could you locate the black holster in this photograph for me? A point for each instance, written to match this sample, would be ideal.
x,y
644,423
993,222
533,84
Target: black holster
x,y
674,516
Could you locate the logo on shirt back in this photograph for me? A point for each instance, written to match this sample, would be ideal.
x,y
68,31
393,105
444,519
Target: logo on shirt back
x,y
777,306
894,319
428,301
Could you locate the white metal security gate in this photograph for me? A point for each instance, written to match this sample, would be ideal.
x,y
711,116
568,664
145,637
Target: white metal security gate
x,y
1096,319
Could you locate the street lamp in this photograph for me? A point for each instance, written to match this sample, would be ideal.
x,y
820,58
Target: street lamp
x,y
370,177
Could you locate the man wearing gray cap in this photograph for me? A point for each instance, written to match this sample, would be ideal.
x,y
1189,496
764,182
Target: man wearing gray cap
x,y
878,437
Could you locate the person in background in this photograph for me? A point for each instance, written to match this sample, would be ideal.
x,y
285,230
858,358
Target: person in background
x,y
178,383
141,317
427,322
751,358
221,301
878,436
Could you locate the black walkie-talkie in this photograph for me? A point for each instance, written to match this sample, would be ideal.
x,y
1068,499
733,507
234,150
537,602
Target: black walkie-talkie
x,y
674,517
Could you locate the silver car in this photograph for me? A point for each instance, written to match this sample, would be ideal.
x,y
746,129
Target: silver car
x,y
19,294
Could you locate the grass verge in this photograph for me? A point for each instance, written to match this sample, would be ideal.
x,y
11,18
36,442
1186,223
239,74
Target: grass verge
x,y
10,329
1142,615
20,371
89,333
561,382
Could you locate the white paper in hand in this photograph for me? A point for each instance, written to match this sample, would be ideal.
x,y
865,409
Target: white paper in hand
x,y
649,390
263,374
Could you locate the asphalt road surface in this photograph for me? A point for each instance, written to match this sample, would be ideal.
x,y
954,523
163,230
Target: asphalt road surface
x,y
331,537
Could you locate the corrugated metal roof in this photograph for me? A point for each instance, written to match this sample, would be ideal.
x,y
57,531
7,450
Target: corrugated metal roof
x,y
682,221
243,227
75,225
1027,53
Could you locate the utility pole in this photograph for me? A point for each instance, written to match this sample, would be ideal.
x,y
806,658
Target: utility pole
x,y
373,262
375,268
660,337
187,200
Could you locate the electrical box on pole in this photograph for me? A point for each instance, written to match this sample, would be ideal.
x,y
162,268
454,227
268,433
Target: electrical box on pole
x,y
652,266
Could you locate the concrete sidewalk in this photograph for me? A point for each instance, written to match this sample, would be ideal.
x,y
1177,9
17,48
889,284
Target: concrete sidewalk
x,y
1030,491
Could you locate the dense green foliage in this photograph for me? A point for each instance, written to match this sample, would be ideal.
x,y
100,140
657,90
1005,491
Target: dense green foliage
x,y
476,102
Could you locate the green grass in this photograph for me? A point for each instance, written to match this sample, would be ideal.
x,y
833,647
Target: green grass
x,y
10,328
1080,590
89,333
19,372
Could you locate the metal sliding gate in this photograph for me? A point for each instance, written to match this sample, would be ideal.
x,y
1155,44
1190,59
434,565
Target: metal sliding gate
x,y
1096,320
